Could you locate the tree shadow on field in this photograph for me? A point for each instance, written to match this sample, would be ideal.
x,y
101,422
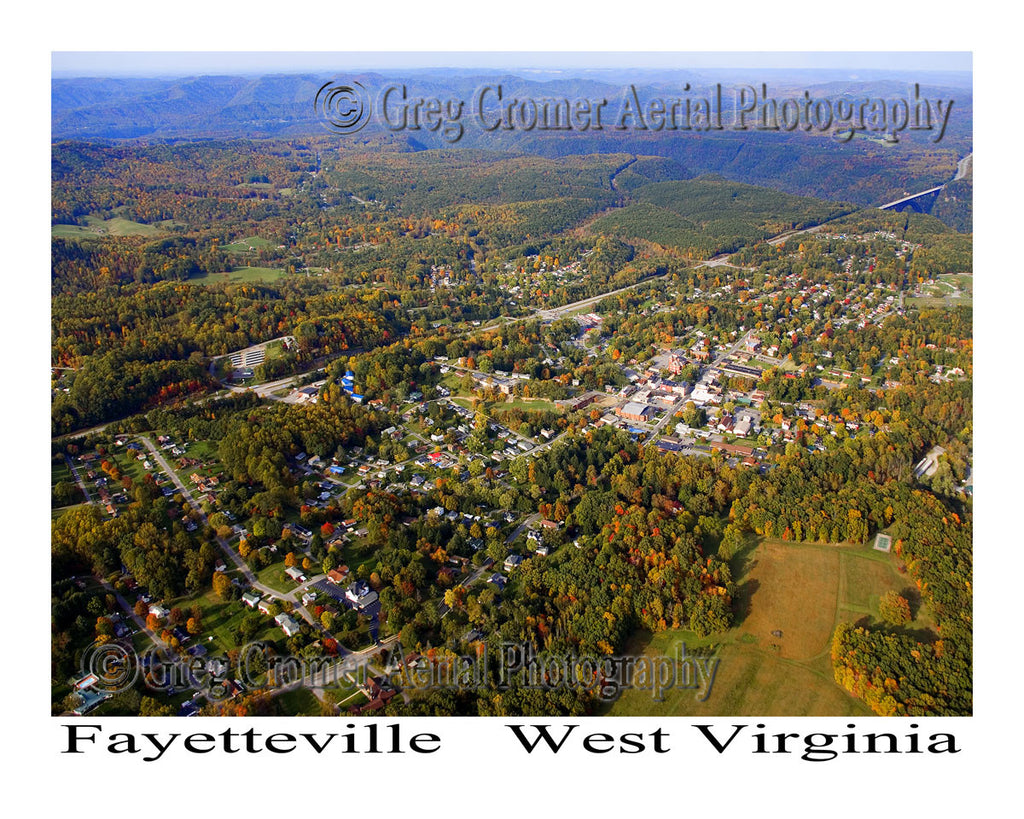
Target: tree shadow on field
x,y
913,598
743,560
742,601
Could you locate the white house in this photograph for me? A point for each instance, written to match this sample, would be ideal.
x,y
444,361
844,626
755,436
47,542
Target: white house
x,y
287,624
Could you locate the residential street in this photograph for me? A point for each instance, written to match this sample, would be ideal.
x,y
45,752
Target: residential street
x,y
230,553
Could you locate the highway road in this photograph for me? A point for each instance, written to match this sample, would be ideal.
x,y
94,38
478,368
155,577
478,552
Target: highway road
x,y
963,167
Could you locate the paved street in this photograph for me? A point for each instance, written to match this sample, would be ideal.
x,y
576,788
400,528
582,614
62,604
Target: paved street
x,y
229,553
78,478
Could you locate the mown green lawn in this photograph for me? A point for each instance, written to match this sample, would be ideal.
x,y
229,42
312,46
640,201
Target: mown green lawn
x,y
220,620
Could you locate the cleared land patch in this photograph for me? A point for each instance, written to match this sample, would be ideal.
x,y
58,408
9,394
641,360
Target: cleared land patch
x,y
96,228
801,590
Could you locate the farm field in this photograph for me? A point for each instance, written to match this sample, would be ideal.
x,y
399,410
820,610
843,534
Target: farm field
x,y
801,590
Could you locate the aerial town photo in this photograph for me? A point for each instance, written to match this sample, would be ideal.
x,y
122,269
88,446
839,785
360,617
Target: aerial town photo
x,y
415,391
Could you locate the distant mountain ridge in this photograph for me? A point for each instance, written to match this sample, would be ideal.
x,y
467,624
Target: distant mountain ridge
x,y
282,106
100,108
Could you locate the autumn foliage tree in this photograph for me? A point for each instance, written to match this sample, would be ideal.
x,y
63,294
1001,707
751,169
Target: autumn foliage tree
x,y
221,585
894,608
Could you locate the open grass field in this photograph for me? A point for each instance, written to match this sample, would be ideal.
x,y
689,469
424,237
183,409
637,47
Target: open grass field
x,y
129,465
247,244
274,576
300,702
204,451
274,349
929,301
59,472
242,274
98,228
453,381
801,590
948,290
534,404
355,552
220,619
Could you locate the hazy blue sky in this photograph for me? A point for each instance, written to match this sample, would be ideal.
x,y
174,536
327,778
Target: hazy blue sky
x,y
125,63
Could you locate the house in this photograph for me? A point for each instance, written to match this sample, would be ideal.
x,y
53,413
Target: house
x,y
295,573
512,561
338,575
543,551
263,607
378,691
251,599
300,532
287,624
158,611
